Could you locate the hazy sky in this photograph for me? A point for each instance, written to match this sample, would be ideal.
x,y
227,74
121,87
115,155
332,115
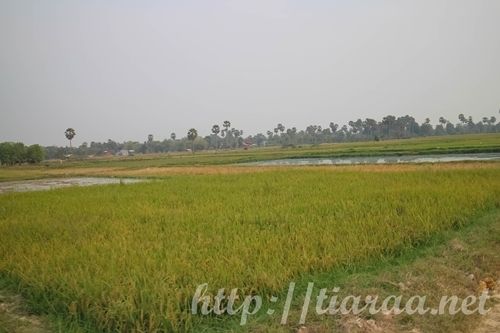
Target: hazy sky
x,y
124,69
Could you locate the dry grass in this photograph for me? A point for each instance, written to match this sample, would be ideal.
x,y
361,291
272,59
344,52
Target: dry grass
x,y
41,172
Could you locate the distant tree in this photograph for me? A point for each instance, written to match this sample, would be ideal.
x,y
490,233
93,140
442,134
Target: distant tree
x,y
388,125
333,127
70,134
280,128
6,153
12,153
192,135
34,154
215,132
450,128
226,124
426,128
216,129
462,118
200,144
150,138
172,136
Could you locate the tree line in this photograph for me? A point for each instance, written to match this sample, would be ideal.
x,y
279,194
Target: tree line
x,y
225,136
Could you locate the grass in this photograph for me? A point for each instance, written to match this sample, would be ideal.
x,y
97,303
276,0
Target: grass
x,y
452,262
474,143
128,257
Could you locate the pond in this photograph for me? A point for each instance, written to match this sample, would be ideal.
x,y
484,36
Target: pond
x,y
382,159
48,184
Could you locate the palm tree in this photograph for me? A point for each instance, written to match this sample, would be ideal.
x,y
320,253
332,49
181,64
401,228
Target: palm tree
x,y
333,127
462,118
215,131
192,135
281,128
70,134
226,124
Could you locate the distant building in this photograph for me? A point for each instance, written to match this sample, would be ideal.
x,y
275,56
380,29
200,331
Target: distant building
x,y
125,152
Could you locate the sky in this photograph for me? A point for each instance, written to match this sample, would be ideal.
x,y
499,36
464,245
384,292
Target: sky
x,y
124,69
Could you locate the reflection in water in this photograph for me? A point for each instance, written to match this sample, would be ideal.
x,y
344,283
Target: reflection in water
x,y
48,184
383,160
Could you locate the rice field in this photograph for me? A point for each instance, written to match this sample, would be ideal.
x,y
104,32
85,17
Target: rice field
x,y
129,257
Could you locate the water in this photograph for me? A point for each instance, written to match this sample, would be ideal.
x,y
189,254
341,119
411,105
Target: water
x,y
48,184
382,159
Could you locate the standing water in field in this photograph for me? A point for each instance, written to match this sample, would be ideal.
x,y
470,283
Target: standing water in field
x,y
48,184
382,159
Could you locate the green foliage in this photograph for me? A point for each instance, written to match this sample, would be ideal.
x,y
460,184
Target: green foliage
x,y
34,154
17,153
128,258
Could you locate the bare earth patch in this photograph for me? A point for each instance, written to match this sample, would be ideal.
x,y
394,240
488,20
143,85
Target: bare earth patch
x,y
15,319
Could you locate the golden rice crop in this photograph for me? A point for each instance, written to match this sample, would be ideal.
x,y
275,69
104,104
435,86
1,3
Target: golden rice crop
x,y
128,257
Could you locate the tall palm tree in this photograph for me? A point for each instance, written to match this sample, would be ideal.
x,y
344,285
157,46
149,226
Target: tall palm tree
x,y
215,131
226,124
70,134
192,135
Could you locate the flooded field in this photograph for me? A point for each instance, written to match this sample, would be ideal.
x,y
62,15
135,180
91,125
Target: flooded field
x,y
383,159
49,184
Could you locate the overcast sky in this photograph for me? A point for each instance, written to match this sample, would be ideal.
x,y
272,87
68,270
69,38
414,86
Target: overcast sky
x,y
123,69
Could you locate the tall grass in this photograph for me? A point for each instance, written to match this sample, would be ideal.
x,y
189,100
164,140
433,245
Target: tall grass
x,y
128,258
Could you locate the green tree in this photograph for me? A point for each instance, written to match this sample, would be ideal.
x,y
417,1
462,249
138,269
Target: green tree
x,y
6,153
34,154
192,135
215,132
70,134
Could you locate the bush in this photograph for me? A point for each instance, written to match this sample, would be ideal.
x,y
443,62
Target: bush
x,y
17,153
